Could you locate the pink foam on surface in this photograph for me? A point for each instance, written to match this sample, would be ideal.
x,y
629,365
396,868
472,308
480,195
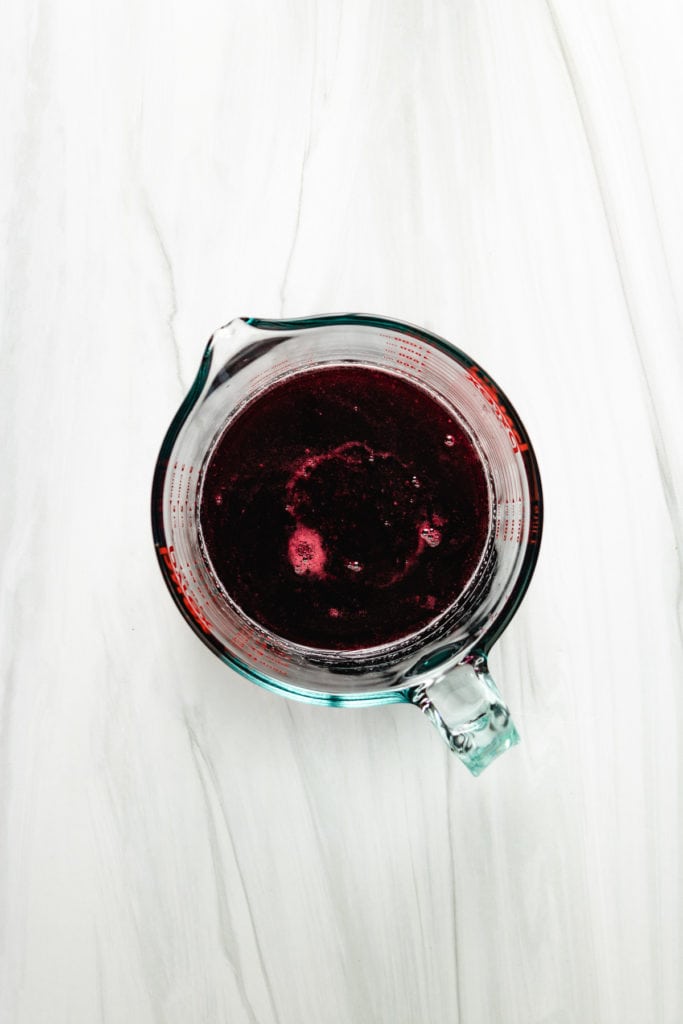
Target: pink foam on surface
x,y
306,552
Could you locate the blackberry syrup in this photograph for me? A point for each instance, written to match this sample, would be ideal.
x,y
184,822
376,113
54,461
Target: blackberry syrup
x,y
344,508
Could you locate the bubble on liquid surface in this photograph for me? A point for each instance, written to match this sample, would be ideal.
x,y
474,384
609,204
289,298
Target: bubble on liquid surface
x,y
354,566
306,552
415,481
218,499
449,440
430,535
334,613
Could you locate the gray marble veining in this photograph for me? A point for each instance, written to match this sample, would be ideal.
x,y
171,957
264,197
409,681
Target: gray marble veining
x,y
177,845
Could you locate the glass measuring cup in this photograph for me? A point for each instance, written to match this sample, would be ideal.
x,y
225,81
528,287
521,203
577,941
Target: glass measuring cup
x,y
442,668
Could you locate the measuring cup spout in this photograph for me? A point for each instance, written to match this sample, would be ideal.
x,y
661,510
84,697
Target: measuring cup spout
x,y
465,706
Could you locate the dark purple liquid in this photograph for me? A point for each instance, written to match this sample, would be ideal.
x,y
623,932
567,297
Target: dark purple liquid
x,y
344,508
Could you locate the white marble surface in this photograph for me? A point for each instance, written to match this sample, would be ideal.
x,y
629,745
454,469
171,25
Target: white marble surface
x,y
178,845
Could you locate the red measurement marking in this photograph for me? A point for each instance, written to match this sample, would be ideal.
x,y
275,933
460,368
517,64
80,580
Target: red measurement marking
x,y
257,649
510,521
242,633
491,395
414,352
266,377
535,528
412,355
181,587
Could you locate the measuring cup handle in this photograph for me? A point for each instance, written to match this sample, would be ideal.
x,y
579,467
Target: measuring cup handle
x,y
465,706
